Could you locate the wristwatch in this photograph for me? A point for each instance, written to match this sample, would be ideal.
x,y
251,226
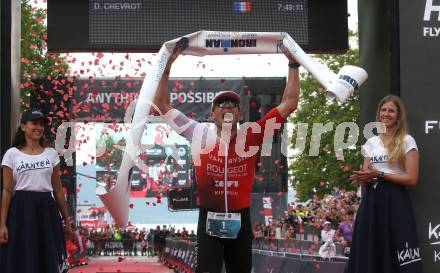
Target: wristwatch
x,y
294,64
380,175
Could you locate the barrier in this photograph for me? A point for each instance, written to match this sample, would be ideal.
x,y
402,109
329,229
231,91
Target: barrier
x,y
181,255
292,246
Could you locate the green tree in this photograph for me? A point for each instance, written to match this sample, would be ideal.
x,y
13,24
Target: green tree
x,y
322,174
36,62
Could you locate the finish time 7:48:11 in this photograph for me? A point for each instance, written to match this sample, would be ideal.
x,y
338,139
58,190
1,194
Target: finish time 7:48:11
x,y
290,7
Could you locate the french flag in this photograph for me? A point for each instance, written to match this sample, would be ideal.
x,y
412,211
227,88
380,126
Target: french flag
x,y
242,6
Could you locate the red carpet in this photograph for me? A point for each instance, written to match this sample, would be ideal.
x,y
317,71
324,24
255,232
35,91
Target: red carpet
x,y
124,265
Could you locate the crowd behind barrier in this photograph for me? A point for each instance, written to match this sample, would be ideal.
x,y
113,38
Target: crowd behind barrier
x,y
298,235
180,255
292,246
323,219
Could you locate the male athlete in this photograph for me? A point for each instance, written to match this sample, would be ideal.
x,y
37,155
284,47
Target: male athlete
x,y
226,236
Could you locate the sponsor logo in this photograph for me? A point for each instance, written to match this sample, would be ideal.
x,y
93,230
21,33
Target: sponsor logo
x,y
215,169
249,35
291,43
432,14
434,234
113,245
408,255
226,44
36,165
218,35
222,192
379,159
181,199
161,65
431,125
279,46
231,35
349,80
429,9
431,31
221,184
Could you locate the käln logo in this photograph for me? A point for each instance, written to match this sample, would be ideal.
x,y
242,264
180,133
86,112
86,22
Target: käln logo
x,y
408,255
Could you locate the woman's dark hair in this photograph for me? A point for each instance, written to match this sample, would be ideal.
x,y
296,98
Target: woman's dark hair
x,y
19,140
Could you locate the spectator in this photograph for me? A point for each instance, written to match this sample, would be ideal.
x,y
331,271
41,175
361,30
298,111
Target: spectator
x,y
184,233
156,241
258,231
143,247
345,230
327,233
192,234
150,244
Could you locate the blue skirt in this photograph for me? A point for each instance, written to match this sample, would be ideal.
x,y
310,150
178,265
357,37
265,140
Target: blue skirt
x,y
36,237
385,233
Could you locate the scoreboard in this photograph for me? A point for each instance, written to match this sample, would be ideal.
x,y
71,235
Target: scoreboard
x,y
144,25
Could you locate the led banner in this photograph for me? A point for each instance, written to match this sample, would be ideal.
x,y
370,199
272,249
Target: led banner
x,y
202,43
143,25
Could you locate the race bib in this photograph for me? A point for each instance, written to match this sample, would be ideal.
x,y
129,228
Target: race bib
x,y
223,225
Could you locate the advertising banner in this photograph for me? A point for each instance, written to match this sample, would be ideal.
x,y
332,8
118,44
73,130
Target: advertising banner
x,y
419,76
109,99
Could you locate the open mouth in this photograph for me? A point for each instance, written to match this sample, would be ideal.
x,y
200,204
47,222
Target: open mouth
x,y
227,118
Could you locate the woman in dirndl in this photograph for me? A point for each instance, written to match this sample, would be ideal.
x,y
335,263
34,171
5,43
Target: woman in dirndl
x,y
31,230
385,234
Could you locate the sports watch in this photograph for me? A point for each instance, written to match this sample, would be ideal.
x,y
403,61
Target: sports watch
x,y
293,64
380,175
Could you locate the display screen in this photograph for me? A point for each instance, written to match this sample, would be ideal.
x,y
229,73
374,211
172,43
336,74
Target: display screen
x,y
144,25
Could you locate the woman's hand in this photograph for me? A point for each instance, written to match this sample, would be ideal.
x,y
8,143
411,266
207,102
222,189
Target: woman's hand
x,y
4,235
68,229
364,176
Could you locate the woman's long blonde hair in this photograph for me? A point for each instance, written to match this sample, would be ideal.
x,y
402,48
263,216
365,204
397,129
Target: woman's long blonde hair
x,y
396,147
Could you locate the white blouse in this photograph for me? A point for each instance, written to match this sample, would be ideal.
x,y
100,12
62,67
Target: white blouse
x,y
31,172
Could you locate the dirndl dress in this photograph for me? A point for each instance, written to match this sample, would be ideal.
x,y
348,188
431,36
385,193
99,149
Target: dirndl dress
x,y
36,238
385,234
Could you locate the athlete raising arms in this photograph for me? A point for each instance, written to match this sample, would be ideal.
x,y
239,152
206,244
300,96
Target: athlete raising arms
x,y
226,236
